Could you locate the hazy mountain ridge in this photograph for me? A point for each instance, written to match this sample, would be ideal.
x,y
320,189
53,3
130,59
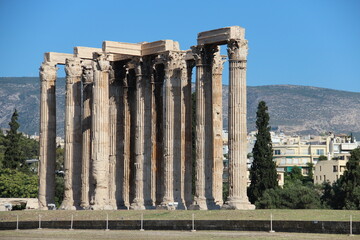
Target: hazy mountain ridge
x,y
293,109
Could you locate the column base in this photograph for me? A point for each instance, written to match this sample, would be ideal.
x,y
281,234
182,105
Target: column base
x,y
171,206
203,204
234,204
102,207
67,205
113,204
136,207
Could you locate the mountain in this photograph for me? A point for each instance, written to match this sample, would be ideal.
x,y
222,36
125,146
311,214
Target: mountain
x,y
293,109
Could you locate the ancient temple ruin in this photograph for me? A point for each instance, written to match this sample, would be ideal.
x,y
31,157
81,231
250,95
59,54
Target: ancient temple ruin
x,y
128,118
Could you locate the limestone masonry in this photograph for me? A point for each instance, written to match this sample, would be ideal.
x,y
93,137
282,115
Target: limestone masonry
x,y
128,117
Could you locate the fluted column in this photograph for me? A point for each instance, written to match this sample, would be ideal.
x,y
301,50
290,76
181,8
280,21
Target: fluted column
x,y
100,136
203,58
138,202
114,130
187,99
87,183
217,125
47,152
168,194
125,203
73,136
149,198
237,52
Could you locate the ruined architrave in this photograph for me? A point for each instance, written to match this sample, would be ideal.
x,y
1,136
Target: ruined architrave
x,y
128,125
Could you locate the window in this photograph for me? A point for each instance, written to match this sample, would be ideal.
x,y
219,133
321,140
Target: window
x,y
290,151
279,177
277,152
335,168
320,169
316,178
324,178
320,178
319,151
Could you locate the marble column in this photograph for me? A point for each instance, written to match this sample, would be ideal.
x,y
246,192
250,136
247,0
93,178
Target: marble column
x,y
187,99
87,182
126,144
114,134
100,136
149,199
172,165
237,52
217,125
73,136
47,158
203,60
138,201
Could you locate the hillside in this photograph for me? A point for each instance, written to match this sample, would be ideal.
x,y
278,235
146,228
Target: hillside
x,y
293,109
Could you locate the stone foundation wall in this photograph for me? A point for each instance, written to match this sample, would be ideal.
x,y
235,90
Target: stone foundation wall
x,y
329,227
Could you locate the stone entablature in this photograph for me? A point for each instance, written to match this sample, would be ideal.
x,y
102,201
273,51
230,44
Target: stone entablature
x,y
128,125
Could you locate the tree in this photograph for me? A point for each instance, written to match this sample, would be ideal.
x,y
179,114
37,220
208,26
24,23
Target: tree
x,y
17,184
263,173
294,195
294,175
13,158
322,158
348,186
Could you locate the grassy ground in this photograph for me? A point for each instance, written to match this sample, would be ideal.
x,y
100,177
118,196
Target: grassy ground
x,y
278,214
158,235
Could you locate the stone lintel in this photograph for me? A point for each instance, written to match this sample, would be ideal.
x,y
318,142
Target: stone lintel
x,y
57,58
132,49
221,36
118,57
159,47
189,55
85,52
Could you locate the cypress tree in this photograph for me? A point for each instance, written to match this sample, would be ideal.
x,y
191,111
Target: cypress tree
x,y
12,156
263,173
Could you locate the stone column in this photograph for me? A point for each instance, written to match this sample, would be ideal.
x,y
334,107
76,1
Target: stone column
x,y
100,129
138,202
158,114
237,52
126,143
217,172
47,135
149,198
187,98
114,134
87,183
203,60
73,136
172,131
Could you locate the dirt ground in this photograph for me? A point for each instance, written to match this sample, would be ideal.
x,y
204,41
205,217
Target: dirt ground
x,y
50,234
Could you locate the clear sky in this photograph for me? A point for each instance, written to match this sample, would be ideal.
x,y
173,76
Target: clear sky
x,y
301,42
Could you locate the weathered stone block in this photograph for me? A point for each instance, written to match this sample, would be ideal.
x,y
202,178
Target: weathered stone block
x,y
221,35
132,49
85,52
159,46
57,58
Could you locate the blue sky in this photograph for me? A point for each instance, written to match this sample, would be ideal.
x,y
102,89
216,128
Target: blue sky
x,y
307,42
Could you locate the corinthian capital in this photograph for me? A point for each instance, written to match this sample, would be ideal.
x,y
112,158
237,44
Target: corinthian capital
x,y
88,74
48,71
73,67
203,54
102,61
237,49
